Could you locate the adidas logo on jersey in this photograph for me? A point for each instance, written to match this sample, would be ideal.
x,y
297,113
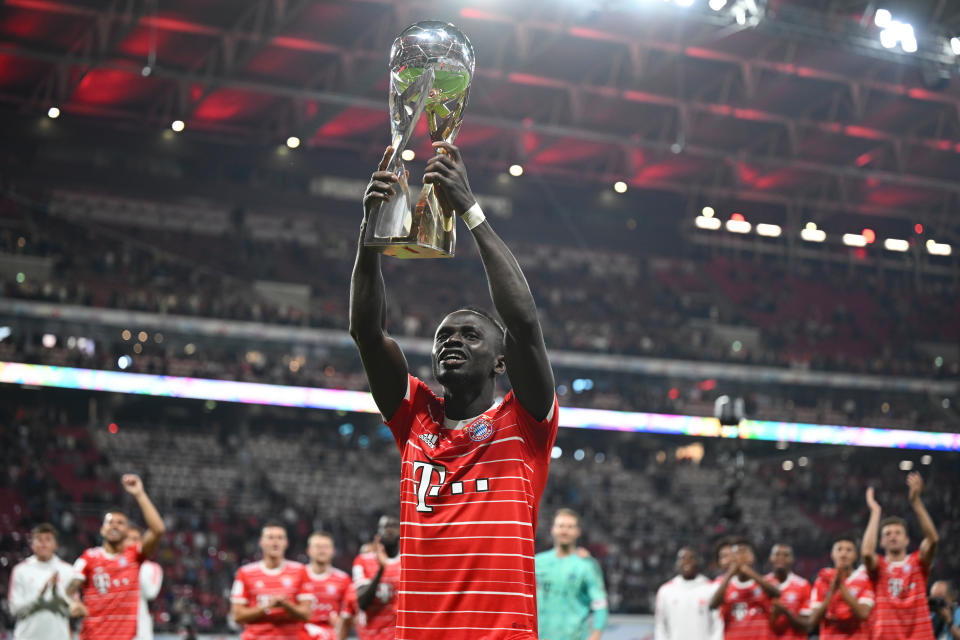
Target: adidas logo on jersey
x,y
430,439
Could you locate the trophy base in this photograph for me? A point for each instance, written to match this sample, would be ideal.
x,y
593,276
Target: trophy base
x,y
412,251
427,231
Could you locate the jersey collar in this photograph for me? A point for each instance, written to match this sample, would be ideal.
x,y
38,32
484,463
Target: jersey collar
x,y
450,423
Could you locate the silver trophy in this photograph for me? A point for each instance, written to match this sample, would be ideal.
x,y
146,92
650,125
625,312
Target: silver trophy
x,y
431,67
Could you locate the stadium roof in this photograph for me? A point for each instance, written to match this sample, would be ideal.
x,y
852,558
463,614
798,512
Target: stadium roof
x,y
802,110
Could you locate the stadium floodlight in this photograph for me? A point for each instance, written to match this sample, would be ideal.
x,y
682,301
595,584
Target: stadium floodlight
x,y
738,226
516,170
620,186
882,18
813,235
408,155
896,244
854,240
177,125
955,46
717,5
935,248
54,112
769,230
909,45
293,142
710,224
708,212
888,39
684,3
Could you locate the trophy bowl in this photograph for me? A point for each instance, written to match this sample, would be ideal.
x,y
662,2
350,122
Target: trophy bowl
x,y
431,68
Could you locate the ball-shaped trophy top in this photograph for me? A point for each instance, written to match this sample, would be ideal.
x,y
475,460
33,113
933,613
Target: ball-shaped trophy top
x,y
432,43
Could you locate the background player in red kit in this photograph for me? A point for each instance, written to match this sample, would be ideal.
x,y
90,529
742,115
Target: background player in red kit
x,y
744,597
842,597
268,597
376,579
108,577
789,611
899,579
330,590
473,470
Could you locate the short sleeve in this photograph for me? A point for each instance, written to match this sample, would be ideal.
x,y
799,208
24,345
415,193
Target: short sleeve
x,y
867,595
303,582
538,434
348,604
238,593
595,589
401,422
360,576
135,554
81,567
816,594
805,599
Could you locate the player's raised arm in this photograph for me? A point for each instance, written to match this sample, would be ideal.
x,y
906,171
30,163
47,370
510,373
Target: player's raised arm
x,y
133,485
383,361
524,348
928,546
868,546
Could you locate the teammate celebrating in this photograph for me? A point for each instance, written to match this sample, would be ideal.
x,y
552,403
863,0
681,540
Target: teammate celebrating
x,y
151,579
569,586
473,469
268,597
744,597
376,578
330,591
682,606
900,580
110,575
37,598
842,597
790,610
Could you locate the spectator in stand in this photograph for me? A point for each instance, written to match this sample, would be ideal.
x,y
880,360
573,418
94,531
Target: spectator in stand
x,y
37,597
944,612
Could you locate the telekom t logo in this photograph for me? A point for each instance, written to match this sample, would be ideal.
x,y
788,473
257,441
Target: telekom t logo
x,y
423,473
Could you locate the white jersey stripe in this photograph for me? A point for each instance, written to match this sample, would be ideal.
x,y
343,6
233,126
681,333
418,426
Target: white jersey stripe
x,y
519,613
447,593
463,522
465,555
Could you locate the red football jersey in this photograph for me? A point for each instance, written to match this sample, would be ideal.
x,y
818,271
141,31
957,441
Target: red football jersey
x,y
330,596
255,585
902,612
470,495
839,622
746,611
795,596
379,621
111,592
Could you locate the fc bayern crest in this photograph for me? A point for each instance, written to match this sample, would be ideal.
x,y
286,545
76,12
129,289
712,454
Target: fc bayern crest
x,y
481,429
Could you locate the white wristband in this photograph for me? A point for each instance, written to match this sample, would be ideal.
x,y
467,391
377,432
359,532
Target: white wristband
x,y
473,216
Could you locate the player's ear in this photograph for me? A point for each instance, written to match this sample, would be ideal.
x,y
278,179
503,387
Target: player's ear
x,y
500,365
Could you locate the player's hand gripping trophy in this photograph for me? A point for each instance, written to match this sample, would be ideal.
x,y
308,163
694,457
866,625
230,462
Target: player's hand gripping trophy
x,y
431,67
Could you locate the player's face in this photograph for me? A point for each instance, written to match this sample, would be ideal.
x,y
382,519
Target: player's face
x,y
114,529
565,530
893,537
273,542
466,348
43,546
724,557
743,553
133,538
687,563
843,554
388,529
320,549
781,557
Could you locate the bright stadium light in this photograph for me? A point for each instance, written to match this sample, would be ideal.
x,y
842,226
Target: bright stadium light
x,y
896,244
717,5
955,46
54,112
177,125
769,230
810,233
516,170
293,142
708,212
935,248
854,240
882,18
710,224
408,155
620,186
738,226
684,3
